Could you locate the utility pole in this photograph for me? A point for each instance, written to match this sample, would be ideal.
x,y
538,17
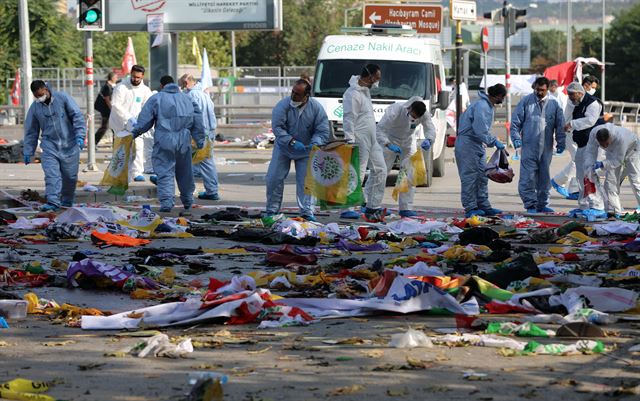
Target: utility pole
x,y
91,141
604,66
507,56
458,74
25,55
569,33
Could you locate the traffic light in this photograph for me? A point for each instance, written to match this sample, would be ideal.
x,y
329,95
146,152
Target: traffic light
x,y
494,16
513,25
90,15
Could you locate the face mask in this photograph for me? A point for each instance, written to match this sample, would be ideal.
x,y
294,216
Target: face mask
x,y
375,85
591,91
42,99
295,104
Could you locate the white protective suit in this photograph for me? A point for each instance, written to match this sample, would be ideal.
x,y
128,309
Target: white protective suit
x,y
623,152
126,102
359,124
396,127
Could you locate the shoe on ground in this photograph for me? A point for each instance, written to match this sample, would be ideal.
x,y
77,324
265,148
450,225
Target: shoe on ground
x,y
408,213
559,188
140,178
574,196
154,179
492,212
308,217
350,214
206,196
575,213
546,210
164,209
375,215
532,210
48,207
474,212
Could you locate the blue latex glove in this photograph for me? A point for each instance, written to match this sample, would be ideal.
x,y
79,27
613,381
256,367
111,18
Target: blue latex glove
x,y
130,124
517,143
598,165
426,144
27,159
80,142
299,146
394,148
499,145
200,145
559,149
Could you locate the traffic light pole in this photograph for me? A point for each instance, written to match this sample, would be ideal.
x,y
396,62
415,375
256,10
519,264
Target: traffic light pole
x,y
91,143
458,74
507,75
25,56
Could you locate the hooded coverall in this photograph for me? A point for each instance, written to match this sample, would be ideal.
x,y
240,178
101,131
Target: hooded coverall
x,y
177,119
396,127
61,123
359,125
475,124
308,125
534,123
207,168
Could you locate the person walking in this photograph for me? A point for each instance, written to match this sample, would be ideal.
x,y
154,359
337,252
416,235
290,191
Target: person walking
x,y
57,121
103,105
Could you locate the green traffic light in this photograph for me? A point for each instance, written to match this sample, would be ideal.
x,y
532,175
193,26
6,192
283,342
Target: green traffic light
x,y
91,16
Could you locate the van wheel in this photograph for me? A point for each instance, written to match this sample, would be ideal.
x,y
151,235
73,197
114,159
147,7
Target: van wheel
x,y
428,164
438,164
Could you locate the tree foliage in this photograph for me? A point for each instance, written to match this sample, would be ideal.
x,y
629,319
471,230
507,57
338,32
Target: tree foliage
x,y
623,50
109,48
54,39
218,47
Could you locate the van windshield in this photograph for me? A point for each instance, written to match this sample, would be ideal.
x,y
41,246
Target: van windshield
x,y
400,79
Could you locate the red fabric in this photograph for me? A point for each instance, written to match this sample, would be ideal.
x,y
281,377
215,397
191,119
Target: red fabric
x,y
129,59
502,308
589,187
364,232
214,284
15,90
570,257
563,73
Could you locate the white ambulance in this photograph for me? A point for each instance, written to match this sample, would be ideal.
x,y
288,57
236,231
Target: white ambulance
x,y
411,66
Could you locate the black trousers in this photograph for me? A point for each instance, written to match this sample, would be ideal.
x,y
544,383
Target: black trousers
x,y
104,126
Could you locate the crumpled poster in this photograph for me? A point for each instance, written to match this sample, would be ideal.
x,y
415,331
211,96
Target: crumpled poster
x,y
333,176
106,275
200,155
117,174
412,173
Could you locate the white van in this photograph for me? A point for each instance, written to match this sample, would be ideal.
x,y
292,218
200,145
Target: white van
x,y
411,66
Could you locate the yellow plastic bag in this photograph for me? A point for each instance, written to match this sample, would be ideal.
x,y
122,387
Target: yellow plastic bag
x,y
412,173
200,155
25,390
117,174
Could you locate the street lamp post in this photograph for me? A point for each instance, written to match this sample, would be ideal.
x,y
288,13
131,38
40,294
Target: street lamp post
x,y
603,53
569,32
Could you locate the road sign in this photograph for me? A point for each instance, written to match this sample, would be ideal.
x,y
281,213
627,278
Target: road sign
x,y
463,10
187,15
422,18
485,39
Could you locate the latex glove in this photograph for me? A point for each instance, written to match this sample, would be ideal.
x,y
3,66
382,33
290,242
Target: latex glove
x,y
27,159
299,146
394,148
130,124
559,149
200,145
517,143
426,144
499,145
80,142
598,165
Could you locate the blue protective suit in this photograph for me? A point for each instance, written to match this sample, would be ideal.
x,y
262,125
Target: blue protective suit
x,y
61,123
207,168
177,119
308,125
475,124
535,123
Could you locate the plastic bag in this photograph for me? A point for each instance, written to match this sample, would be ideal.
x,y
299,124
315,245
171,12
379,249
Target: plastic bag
x,y
117,174
498,169
200,155
411,339
412,174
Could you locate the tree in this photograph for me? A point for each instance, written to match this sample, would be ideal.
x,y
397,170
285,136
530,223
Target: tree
x,y
53,37
547,49
109,47
217,44
623,49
